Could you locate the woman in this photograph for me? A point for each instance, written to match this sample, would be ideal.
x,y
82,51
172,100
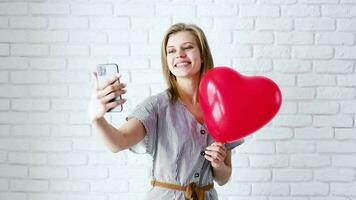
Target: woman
x,y
170,125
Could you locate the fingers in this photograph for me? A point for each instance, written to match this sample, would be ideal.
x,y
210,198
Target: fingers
x,y
216,154
113,104
94,77
113,88
111,96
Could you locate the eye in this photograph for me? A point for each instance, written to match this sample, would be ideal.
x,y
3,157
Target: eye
x,y
170,51
188,47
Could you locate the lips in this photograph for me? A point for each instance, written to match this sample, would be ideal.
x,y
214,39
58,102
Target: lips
x,y
182,64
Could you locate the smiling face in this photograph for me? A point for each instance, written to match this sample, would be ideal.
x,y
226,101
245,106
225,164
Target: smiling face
x,y
183,55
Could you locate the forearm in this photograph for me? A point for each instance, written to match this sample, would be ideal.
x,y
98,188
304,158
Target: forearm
x,y
112,137
222,174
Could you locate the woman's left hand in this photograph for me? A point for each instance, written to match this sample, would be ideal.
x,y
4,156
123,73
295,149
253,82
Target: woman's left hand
x,y
216,154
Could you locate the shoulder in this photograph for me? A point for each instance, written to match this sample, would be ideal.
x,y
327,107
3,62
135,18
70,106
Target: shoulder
x,y
159,100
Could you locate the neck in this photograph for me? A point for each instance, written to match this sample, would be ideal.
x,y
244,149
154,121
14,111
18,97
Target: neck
x,y
188,90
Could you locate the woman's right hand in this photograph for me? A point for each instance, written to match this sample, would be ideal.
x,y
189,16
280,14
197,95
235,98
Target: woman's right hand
x,y
100,99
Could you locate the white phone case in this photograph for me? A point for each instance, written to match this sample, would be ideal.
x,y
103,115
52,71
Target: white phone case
x,y
105,72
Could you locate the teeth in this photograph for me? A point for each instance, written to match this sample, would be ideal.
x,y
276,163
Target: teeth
x,y
182,64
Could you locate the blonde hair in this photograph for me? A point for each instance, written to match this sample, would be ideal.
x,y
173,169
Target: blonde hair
x,y
207,59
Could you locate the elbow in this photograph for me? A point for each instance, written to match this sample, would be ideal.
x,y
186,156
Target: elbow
x,y
221,183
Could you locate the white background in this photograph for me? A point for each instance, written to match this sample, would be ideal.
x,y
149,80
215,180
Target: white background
x,y
48,150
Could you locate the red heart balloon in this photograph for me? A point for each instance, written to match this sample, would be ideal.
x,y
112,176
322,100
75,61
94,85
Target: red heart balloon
x,y
235,105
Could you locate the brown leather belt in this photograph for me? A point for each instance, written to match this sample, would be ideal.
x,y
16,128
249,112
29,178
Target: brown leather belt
x,y
191,191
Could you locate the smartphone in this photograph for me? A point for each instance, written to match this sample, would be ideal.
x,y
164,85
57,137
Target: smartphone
x,y
105,72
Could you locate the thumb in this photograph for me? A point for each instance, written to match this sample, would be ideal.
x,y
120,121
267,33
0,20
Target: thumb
x,y
94,77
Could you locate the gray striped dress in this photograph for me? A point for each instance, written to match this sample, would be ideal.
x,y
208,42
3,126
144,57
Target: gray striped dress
x,y
176,141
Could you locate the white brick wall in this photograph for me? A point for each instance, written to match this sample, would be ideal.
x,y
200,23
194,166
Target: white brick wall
x,y
48,150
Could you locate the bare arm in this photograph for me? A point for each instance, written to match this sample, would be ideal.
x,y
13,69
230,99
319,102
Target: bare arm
x,y
117,139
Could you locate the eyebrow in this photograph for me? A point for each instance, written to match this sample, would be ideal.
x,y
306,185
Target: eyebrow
x,y
182,44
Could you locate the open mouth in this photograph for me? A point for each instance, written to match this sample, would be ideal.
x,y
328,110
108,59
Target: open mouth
x,y
182,64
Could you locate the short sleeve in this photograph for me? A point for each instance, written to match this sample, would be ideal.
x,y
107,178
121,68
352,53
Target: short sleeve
x,y
146,113
232,145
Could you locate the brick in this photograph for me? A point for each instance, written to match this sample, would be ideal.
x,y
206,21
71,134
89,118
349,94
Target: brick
x,y
69,77
335,121
29,50
28,77
28,22
278,2
344,160
345,52
30,104
233,23
224,37
292,120
47,172
295,147
310,160
235,189
298,93
269,161
336,38
319,1
292,175
294,38
252,175
47,63
338,10
72,159
234,51
89,145
13,196
68,23
4,130
135,9
300,11
239,161
86,196
70,130
315,24
335,93
30,130
272,52
313,52
149,23
100,23
48,91
273,189
80,91
110,186
69,186
243,37
259,11
217,10
141,77
13,8
314,133
4,49
46,196
346,24
87,37
288,108
4,104
108,159
88,172
48,36
13,36
274,24
69,50
252,65
129,36
51,146
13,171
13,63
348,189
258,147
27,158
176,10
310,188
47,118
319,108
29,185
346,80
4,185
50,8
345,133
91,9
13,117
316,80
333,66
68,105
4,22
291,66
336,147
110,50
331,175
273,133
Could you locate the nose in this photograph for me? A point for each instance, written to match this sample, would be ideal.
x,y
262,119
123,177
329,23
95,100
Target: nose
x,y
180,53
